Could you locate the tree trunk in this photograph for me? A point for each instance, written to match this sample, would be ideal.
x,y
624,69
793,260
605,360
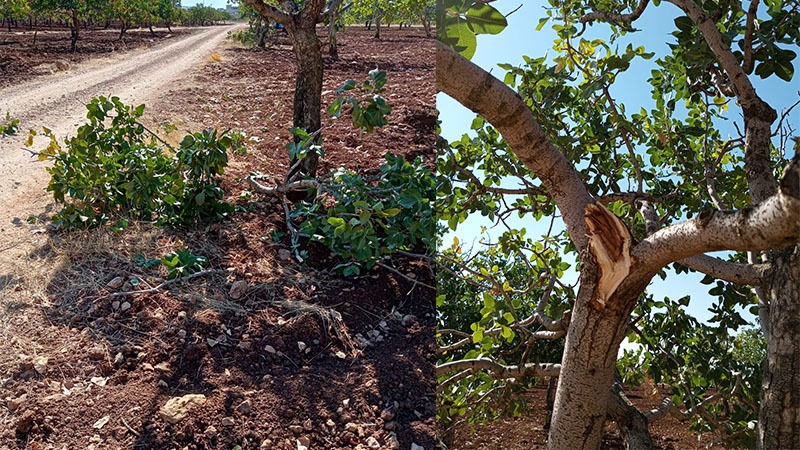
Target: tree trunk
x,y
333,47
607,295
426,25
307,95
631,422
550,401
779,414
74,31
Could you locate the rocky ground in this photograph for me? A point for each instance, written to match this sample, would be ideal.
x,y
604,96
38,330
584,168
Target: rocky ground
x,y
259,352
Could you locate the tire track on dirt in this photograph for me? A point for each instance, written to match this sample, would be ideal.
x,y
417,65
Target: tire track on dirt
x,y
57,102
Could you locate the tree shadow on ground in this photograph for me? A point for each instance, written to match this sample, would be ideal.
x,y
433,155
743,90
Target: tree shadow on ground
x,y
123,357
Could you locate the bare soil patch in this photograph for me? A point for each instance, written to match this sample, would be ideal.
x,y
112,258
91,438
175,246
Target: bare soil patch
x,y
528,432
303,356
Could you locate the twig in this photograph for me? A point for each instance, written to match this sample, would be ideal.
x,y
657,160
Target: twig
x,y
282,188
292,230
135,433
416,282
167,283
613,17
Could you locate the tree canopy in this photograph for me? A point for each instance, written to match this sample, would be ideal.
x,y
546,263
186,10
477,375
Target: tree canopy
x,y
621,194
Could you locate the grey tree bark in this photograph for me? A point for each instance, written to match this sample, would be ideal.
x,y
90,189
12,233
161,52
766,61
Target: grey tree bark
x,y
779,412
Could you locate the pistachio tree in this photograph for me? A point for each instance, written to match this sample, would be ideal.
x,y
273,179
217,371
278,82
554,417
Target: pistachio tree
x,y
300,20
630,194
74,11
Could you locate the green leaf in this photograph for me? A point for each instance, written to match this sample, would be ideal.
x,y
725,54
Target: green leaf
x,y
461,38
336,221
485,19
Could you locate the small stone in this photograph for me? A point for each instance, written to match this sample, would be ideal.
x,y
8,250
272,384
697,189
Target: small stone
x,y
177,408
40,364
266,444
238,289
351,427
245,407
284,254
340,354
115,305
163,384
125,306
269,349
210,431
99,381
116,283
181,315
14,404
393,442
308,425
301,345
415,446
101,422
387,415
119,358
162,367
245,345
346,402
408,320
227,422
212,342
330,423
373,443
303,442
296,429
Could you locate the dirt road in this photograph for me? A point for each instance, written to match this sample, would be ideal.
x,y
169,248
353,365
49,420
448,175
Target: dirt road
x,y
57,102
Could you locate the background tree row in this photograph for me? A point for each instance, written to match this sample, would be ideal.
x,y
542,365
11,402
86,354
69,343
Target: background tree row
x,y
87,14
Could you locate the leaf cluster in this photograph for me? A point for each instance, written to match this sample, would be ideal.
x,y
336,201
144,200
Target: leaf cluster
x,y
114,169
458,22
698,360
365,118
9,125
363,219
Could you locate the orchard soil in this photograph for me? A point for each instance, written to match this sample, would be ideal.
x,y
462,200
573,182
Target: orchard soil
x,y
298,356
527,432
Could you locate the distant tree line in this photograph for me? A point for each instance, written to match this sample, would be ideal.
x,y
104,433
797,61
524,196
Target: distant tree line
x,y
386,12
121,14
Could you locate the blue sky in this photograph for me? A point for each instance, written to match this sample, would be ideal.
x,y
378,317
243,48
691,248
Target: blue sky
x,y
521,38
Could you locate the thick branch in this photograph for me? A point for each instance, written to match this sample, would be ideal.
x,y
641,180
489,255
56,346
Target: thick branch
x,y
269,11
500,371
332,9
484,94
769,225
758,115
748,36
281,189
614,17
750,274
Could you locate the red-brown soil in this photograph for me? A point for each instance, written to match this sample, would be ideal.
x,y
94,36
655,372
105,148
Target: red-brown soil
x,y
109,369
527,431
